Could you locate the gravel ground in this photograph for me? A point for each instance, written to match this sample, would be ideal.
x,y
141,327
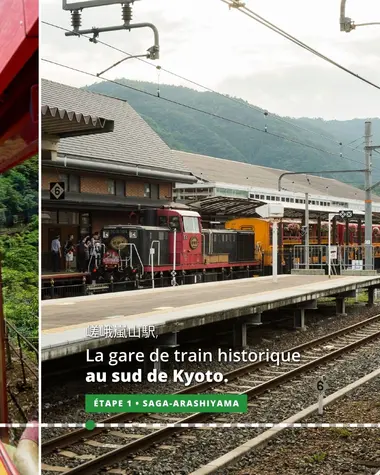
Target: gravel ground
x,y
272,407
186,452
330,451
319,322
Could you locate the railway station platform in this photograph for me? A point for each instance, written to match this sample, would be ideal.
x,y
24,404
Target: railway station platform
x,y
65,321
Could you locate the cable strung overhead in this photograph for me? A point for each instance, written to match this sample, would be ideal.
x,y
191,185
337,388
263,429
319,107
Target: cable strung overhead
x,y
243,9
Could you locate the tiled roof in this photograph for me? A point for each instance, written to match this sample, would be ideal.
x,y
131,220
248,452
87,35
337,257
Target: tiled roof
x,y
133,141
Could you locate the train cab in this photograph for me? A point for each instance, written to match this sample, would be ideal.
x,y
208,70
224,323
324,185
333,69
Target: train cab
x,y
185,242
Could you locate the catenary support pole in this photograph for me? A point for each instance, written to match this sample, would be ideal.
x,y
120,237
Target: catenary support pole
x,y
274,249
307,237
368,197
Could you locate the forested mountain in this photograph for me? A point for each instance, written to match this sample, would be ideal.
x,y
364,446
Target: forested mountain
x,y
189,130
19,245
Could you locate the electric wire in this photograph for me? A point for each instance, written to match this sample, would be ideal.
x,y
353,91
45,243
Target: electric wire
x,y
195,83
211,114
284,34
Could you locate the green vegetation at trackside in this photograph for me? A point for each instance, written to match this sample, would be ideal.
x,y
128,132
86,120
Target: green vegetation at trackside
x,y
19,247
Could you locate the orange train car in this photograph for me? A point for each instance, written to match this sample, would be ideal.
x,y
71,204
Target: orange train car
x,y
291,234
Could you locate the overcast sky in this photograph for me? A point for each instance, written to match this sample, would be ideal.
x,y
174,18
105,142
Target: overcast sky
x,y
225,50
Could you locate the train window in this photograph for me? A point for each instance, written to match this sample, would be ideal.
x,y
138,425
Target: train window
x,y
190,224
174,223
287,200
163,221
262,197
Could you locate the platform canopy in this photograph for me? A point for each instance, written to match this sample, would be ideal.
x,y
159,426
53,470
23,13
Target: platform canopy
x,y
227,206
66,123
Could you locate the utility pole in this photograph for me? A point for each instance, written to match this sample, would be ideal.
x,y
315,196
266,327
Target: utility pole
x,y
368,196
307,238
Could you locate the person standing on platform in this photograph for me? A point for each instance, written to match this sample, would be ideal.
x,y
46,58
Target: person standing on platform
x,y
69,252
87,245
56,253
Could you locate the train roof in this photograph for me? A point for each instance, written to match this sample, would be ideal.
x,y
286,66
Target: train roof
x,y
226,231
136,226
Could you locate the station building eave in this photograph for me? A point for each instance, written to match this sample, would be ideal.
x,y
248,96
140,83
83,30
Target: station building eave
x,y
63,123
92,201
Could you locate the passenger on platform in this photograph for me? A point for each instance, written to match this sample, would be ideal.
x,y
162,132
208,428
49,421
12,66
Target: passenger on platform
x,y
83,254
94,251
56,253
69,252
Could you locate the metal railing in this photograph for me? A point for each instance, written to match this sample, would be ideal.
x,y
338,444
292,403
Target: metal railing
x,y
55,290
22,363
317,257
341,258
22,347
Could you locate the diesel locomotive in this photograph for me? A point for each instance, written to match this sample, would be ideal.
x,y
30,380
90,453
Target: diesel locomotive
x,y
171,244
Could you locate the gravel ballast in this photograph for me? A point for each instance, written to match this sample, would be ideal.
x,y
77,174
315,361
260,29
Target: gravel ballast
x,y
324,451
192,448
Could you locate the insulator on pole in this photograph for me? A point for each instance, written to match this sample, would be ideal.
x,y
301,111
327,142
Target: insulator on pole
x,y
76,19
126,13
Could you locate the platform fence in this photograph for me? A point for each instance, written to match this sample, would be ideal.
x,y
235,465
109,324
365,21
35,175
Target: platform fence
x,y
61,289
342,257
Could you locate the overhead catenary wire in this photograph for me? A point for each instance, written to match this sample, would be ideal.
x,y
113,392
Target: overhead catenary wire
x,y
246,11
211,114
195,83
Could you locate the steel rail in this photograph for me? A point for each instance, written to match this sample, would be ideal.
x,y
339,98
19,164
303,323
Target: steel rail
x,y
114,456
80,434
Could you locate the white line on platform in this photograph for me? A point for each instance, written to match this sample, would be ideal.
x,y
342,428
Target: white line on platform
x,y
162,308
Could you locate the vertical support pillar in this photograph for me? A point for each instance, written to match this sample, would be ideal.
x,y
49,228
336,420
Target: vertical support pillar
x,y
360,237
157,364
347,233
340,304
319,230
299,319
240,335
280,246
371,297
333,240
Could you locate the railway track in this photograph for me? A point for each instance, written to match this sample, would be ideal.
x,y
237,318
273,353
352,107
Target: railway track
x,y
253,380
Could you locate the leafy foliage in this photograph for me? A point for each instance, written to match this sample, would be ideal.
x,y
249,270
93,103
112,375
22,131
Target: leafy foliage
x,y
188,130
19,248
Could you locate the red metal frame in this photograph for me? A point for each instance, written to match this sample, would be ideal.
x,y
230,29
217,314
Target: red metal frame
x,y
19,111
18,81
